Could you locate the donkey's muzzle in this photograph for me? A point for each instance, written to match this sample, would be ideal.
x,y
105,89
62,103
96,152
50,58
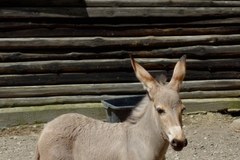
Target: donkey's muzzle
x,y
178,145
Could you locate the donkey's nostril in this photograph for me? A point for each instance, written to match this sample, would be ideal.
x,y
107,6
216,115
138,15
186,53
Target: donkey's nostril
x,y
178,144
174,143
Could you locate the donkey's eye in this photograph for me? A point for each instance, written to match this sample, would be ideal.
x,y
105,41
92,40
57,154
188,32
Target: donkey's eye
x,y
160,110
183,110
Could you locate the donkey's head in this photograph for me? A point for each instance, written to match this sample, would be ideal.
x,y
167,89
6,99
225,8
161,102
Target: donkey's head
x,y
166,101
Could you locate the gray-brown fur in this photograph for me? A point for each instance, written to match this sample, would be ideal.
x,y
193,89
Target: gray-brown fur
x,y
145,135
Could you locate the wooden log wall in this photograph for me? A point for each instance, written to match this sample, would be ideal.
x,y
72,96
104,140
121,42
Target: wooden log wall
x,y
75,51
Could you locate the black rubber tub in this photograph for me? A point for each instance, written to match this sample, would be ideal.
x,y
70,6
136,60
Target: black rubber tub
x,y
118,109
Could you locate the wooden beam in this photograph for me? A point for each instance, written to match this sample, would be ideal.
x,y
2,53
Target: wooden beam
x,y
207,85
103,77
196,52
113,12
217,21
68,78
210,94
61,66
116,42
118,3
111,88
210,104
204,23
114,65
55,100
61,30
41,114
80,89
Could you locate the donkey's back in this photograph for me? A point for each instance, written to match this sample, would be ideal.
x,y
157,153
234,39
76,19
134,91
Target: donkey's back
x,y
59,137
56,140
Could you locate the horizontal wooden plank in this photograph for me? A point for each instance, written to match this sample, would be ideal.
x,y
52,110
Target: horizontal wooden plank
x,y
80,89
217,21
61,66
134,3
113,65
67,78
41,114
98,12
196,52
55,30
210,94
210,104
39,101
210,85
116,42
109,88
104,77
122,23
205,75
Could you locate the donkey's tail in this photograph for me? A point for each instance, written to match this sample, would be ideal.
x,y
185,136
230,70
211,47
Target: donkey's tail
x,y
37,155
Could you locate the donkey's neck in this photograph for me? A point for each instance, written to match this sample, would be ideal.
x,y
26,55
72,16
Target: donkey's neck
x,y
139,111
145,137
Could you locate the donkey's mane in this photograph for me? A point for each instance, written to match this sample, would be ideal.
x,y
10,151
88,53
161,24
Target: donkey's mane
x,y
138,111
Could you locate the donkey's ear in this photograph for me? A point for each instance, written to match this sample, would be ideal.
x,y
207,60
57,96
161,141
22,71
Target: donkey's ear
x,y
178,74
145,78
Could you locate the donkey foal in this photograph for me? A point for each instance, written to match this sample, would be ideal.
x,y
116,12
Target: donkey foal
x,y
155,123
